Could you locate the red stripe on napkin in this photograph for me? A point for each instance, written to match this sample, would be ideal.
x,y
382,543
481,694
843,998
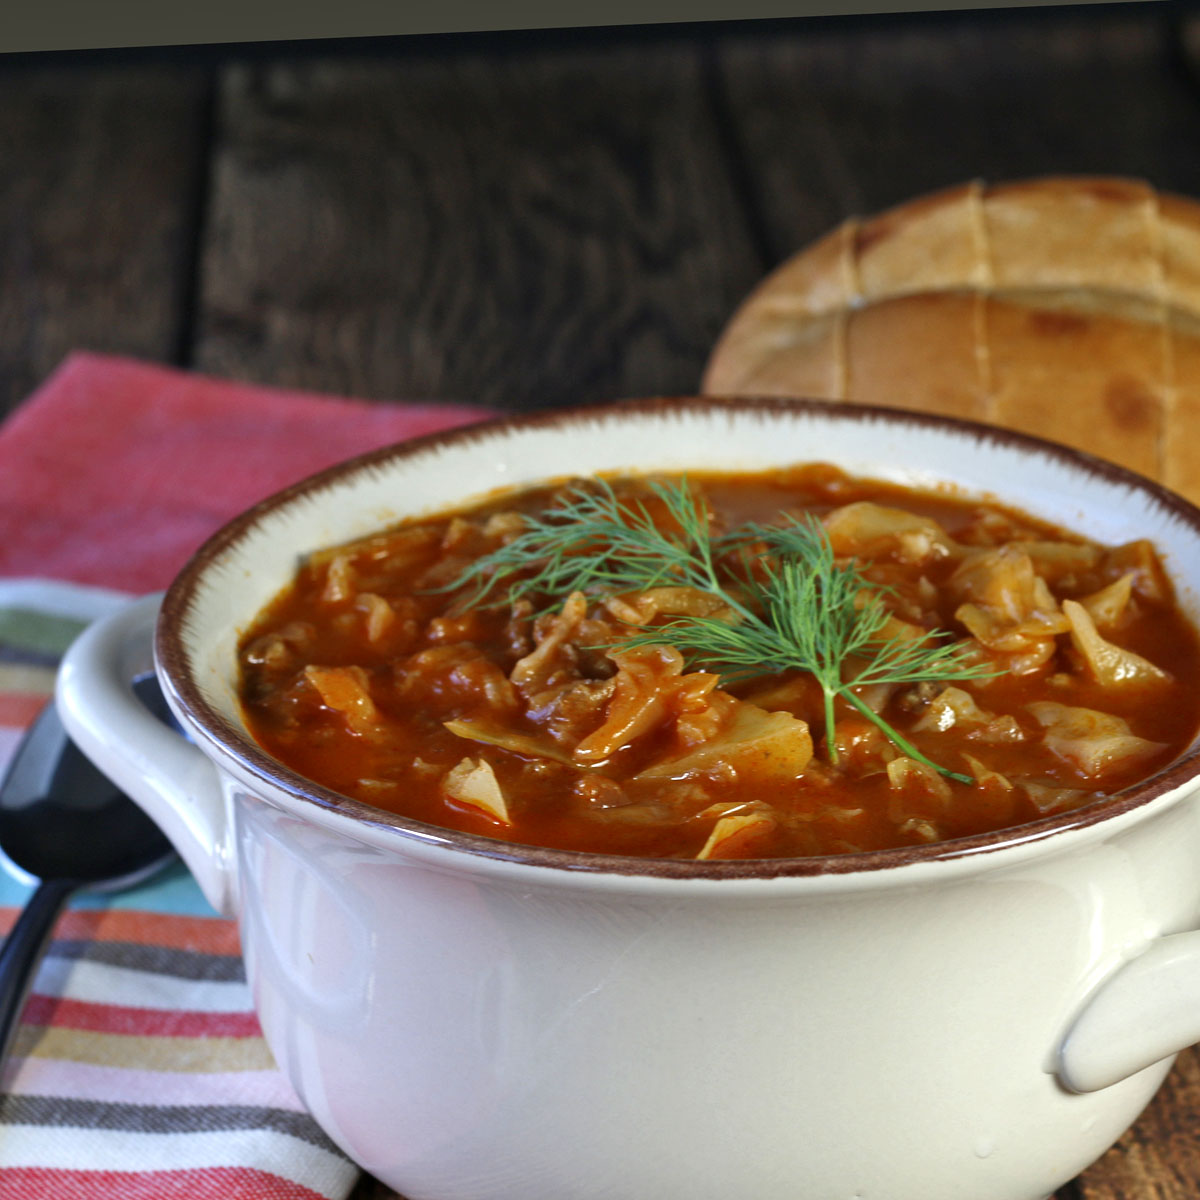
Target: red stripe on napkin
x,y
214,1183
115,471
18,709
137,1022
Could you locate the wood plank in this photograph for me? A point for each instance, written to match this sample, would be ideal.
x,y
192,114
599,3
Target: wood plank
x,y
849,118
539,227
96,200
1159,1158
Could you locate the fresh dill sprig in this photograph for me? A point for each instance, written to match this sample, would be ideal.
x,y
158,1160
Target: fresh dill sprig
x,y
593,541
794,605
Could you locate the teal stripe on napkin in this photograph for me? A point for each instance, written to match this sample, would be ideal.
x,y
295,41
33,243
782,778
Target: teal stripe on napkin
x,y
173,891
38,633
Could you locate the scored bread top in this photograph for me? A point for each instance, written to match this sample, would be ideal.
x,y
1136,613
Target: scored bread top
x,y
1065,307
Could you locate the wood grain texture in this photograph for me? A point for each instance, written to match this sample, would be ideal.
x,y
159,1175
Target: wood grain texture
x,y
1159,1158
851,119
544,228
96,201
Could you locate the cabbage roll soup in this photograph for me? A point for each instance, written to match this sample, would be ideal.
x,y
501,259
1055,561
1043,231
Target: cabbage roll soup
x,y
720,666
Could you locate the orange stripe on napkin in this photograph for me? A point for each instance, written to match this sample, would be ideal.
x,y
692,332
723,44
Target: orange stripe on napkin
x,y
202,935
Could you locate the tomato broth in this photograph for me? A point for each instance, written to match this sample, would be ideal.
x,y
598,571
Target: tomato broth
x,y
932,666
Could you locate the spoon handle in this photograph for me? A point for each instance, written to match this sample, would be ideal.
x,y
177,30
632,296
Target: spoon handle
x,y
22,951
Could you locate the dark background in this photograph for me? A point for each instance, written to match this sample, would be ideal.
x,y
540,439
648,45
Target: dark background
x,y
538,219
526,219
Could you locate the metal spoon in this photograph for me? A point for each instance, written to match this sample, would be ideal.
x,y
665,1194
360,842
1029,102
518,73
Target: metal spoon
x,y
69,828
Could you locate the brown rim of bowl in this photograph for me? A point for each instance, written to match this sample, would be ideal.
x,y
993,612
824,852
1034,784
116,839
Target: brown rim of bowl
x,y
236,743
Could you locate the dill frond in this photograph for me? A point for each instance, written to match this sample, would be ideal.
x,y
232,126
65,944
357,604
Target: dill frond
x,y
593,541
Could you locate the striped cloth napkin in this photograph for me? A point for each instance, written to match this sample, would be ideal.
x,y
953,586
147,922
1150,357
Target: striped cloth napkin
x,y
139,1070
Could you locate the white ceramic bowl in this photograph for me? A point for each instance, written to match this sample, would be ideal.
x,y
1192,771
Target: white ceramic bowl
x,y
473,1020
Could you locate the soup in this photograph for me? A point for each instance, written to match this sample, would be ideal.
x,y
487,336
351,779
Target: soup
x,y
708,666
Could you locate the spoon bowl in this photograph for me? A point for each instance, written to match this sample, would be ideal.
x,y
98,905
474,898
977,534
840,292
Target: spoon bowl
x,y
65,827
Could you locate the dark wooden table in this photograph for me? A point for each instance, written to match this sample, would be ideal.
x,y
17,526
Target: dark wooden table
x,y
534,220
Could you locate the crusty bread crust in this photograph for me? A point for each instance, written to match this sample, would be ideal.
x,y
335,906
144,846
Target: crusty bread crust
x,y
1065,307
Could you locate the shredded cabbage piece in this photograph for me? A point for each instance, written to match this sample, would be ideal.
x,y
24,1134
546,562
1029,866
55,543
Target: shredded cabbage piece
x,y
915,779
923,827
755,744
732,833
380,616
347,690
1059,562
473,782
1047,799
640,608
1093,741
953,708
985,777
1111,665
524,744
1009,607
650,687
873,530
1110,604
553,644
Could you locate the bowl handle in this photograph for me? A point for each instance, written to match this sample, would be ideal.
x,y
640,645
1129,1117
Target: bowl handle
x,y
169,777
1147,1010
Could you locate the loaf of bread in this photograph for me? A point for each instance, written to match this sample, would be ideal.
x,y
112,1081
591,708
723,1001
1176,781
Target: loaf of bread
x,y
1065,307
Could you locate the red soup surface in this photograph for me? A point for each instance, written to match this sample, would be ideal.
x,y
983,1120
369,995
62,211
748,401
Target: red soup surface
x,y
787,663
